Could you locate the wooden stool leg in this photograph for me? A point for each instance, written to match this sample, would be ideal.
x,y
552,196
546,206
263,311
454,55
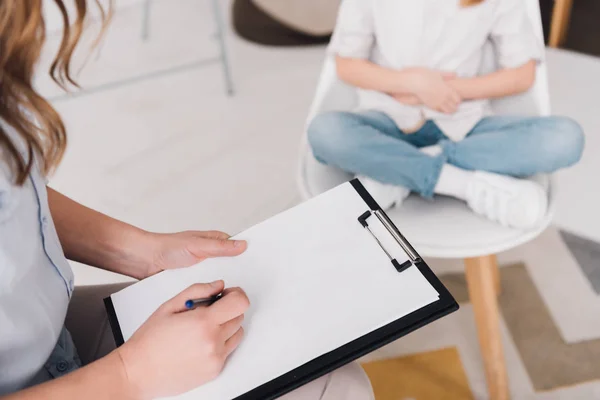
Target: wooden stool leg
x,y
560,22
483,283
496,274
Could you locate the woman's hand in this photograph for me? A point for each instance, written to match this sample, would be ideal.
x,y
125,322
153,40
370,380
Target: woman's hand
x,y
119,247
176,350
177,250
432,90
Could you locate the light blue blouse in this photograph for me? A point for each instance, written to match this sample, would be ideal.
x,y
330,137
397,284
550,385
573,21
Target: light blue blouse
x,y
36,283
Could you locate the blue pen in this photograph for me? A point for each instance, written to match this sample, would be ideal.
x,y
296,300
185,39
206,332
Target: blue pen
x,y
207,301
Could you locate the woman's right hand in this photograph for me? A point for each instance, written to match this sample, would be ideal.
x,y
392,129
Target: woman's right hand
x,y
431,88
176,349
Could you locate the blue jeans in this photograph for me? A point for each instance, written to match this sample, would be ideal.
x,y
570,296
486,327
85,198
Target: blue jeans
x,y
369,143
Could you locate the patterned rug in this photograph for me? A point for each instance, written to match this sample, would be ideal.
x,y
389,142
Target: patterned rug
x,y
550,305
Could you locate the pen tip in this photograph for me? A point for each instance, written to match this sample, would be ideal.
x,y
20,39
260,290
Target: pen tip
x,y
189,304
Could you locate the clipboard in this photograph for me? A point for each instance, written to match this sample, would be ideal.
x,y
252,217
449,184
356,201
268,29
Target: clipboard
x,y
337,357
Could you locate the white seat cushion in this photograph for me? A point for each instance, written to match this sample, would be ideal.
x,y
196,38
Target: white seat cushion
x,y
442,228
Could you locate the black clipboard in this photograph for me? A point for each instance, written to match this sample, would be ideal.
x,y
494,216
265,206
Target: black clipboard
x,y
349,352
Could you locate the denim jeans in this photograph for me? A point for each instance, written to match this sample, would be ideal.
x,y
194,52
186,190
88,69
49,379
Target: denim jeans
x,y
369,143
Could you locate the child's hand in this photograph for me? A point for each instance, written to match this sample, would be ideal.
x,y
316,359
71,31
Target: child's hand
x,y
431,88
408,99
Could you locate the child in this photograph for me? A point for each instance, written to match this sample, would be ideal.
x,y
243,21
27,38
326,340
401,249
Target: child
x,y
423,122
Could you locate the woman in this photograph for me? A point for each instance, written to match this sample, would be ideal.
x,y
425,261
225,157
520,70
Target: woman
x,y
423,122
173,351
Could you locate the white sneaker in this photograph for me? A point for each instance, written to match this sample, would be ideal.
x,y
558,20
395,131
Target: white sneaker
x,y
385,195
516,203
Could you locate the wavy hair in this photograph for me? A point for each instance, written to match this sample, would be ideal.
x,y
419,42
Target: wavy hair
x,y
22,108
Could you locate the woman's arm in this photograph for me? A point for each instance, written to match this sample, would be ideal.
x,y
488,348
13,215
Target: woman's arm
x,y
504,82
174,351
429,86
104,379
95,239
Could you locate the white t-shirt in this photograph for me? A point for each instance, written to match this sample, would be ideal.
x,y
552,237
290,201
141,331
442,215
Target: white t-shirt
x,y
436,34
36,280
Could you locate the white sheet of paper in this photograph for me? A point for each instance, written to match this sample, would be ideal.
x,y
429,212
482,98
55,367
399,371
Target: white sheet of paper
x,y
316,279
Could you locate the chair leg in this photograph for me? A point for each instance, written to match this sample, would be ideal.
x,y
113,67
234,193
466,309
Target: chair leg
x,y
560,22
483,283
496,274
220,35
146,20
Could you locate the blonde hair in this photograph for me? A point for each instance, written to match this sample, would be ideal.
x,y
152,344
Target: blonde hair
x,y
468,3
22,35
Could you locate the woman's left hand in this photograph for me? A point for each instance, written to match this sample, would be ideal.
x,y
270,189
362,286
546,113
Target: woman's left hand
x,y
183,249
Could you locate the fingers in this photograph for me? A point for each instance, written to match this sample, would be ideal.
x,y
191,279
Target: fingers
x,y
449,107
453,106
448,75
456,98
218,247
213,235
445,107
231,305
450,103
196,291
233,342
229,328
407,99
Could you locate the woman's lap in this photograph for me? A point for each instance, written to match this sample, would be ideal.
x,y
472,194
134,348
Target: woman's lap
x,y
88,323
86,336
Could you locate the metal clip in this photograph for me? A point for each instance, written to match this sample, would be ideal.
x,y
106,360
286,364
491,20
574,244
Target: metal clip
x,y
408,249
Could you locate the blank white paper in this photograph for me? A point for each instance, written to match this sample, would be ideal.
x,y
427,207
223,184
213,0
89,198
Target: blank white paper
x,y
316,279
